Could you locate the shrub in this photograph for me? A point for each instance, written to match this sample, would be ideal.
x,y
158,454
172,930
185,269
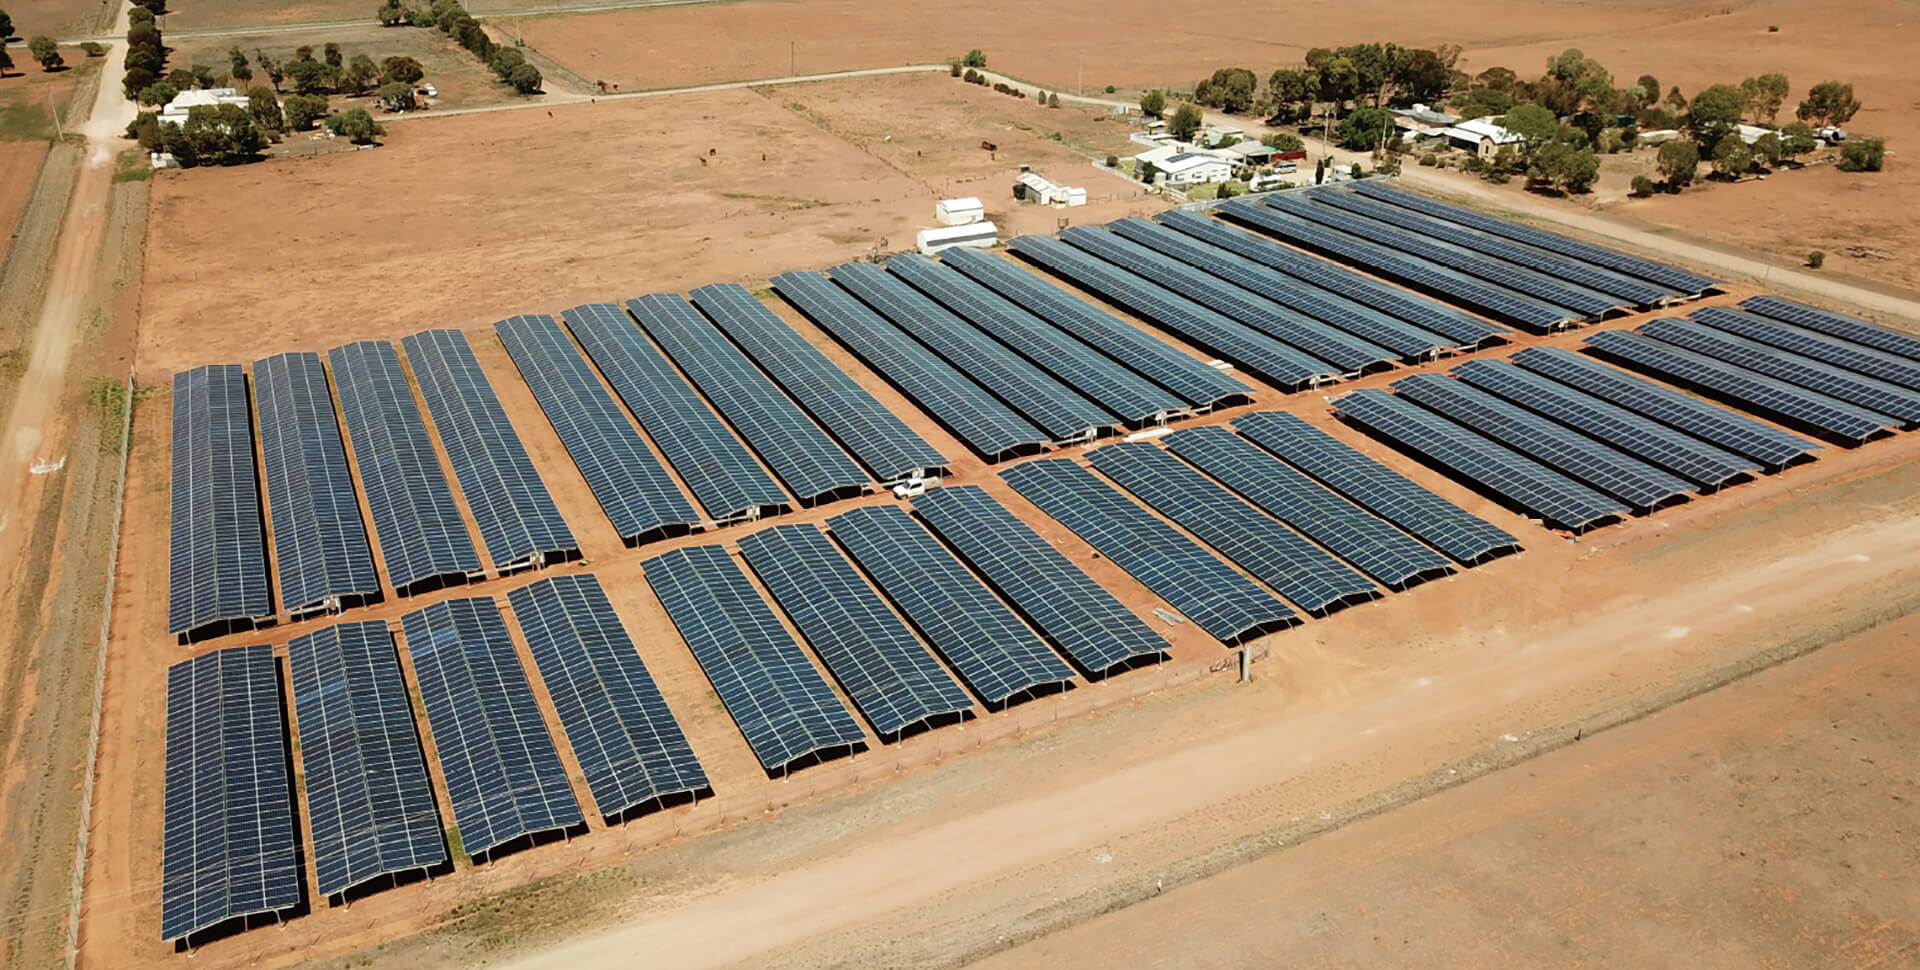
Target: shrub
x,y
1110,89
1816,259
1283,142
1773,28
1113,161
971,77
974,58
953,68
355,125
1229,189
1863,155
1429,160
1642,186
93,49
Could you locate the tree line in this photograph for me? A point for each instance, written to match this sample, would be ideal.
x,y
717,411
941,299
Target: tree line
x,y
452,19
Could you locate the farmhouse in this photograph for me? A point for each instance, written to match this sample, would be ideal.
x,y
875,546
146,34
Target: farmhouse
x,y
1480,135
177,109
1422,120
1196,167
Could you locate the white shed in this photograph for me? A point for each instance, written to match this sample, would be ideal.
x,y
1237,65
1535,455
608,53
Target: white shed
x,y
977,235
959,212
1196,167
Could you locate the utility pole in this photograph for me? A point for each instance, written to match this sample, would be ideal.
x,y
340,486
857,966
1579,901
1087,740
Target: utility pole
x,y
1079,75
59,133
790,59
1779,220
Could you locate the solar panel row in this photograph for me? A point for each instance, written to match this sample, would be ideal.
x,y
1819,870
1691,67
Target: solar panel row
x,y
319,543
519,524
779,701
811,465
1866,333
1876,364
633,488
716,467
873,434
1080,617
1219,600
216,559
1200,385
1877,396
422,538
229,847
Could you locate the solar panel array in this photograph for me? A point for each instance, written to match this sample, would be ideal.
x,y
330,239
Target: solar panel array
x,y
1226,296
1406,340
1679,280
1876,364
802,455
782,705
1233,341
422,538
519,523
1866,333
1521,480
1429,314
217,558
1134,398
1470,292
1200,385
977,634
369,802
1633,481
886,672
1735,432
1644,438
319,543
631,485
1292,566
1079,616
229,840
883,442
1378,549
1216,598
719,470
503,776
1063,412
1878,396
629,745
986,425
1809,408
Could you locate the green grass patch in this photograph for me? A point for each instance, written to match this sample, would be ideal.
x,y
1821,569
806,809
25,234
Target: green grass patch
x,y
790,201
25,121
132,166
453,844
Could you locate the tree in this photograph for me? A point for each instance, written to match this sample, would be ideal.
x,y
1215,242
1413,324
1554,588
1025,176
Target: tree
x,y
333,54
158,94
395,96
1863,155
391,14
406,70
1768,150
47,52
1765,94
6,28
504,60
1283,142
525,79
275,73
1642,186
303,109
303,53
1365,129
1484,102
1581,171
1184,123
355,125
1713,113
1420,76
1731,156
974,59
1650,89
240,69
362,73
1816,259
1828,103
6,62
135,81
1290,91
203,76
265,109
309,76
1153,103
1230,89
1497,79
1148,172
1053,100
1678,162
138,16
145,129
1340,81
1535,125
1796,139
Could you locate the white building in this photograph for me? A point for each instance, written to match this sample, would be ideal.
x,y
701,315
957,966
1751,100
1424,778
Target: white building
x,y
1480,135
176,110
1041,191
976,235
959,212
1192,168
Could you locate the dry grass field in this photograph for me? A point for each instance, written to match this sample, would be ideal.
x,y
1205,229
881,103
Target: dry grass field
x,y
57,19
463,82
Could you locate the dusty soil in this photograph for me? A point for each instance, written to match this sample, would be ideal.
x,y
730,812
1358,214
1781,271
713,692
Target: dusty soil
x,y
1767,824
208,14
19,165
57,19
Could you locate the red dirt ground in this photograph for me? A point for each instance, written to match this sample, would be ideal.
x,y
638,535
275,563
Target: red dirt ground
x,y
19,163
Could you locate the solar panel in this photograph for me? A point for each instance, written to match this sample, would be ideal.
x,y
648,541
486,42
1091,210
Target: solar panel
x,y
422,538
1576,298
715,466
629,745
229,846
1409,341
1046,402
1369,484
977,634
1230,297
987,426
1135,399
631,485
1679,280
1378,549
883,442
1426,313
1557,267
811,465
1876,364
1192,580
319,543
369,802
1735,432
1864,332
1266,357
1878,396
779,701
1514,477
1641,437
1292,566
1420,274
1809,408
886,672
1075,613
519,524
503,776
1197,383
1576,455
217,558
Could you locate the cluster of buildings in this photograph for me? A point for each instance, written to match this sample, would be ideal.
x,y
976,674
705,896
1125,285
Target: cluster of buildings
x,y
1216,154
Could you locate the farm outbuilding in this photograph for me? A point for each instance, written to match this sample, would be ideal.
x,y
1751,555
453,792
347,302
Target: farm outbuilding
x,y
959,212
977,235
